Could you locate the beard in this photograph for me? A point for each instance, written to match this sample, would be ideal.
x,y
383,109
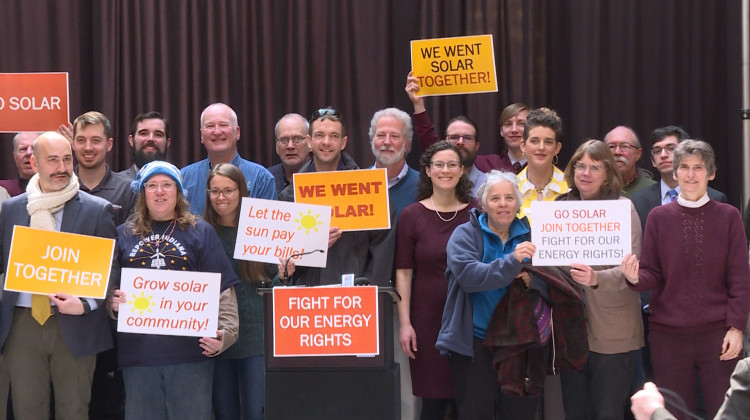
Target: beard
x,y
140,158
388,160
467,158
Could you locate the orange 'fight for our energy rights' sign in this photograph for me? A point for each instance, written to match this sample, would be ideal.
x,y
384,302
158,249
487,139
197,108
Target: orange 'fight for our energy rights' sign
x,y
33,101
325,321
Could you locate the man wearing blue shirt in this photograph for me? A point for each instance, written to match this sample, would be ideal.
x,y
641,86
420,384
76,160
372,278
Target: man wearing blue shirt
x,y
219,135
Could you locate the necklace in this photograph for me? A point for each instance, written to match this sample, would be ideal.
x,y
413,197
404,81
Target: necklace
x,y
539,190
159,253
438,213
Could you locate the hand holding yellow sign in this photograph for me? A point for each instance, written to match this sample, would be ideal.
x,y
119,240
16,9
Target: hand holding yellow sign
x,y
448,66
358,199
49,262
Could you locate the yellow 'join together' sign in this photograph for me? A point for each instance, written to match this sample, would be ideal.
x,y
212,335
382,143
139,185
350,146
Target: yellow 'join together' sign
x,y
49,262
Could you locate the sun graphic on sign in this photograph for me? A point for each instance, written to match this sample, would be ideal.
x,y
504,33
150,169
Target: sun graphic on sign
x,y
308,222
142,303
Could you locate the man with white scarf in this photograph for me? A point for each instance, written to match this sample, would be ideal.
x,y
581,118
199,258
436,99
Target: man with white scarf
x,y
56,344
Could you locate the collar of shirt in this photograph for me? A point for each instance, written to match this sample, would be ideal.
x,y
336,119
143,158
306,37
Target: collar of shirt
x,y
522,161
557,183
24,299
693,204
665,192
393,181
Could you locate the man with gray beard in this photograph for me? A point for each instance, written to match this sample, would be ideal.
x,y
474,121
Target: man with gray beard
x,y
390,140
624,144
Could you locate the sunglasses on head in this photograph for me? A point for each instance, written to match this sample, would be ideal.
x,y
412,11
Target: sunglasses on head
x,y
326,112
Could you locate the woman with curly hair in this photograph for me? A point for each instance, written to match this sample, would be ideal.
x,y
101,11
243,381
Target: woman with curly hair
x,y
443,203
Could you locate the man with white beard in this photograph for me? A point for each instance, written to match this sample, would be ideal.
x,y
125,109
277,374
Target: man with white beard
x,y
624,144
390,140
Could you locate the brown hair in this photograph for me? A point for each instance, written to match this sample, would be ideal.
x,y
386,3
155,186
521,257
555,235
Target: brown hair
x,y
424,184
139,223
249,271
598,151
543,117
511,111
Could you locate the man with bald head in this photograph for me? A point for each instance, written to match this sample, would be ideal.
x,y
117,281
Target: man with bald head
x,y
625,146
56,344
220,133
292,136
22,157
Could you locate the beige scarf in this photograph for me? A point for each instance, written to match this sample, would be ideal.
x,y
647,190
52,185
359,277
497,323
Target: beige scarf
x,y
43,204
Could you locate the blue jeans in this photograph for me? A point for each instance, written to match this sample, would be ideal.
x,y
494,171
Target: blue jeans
x,y
238,380
180,391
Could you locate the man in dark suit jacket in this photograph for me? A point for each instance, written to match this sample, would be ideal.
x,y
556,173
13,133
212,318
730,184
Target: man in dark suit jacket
x,y
663,142
61,347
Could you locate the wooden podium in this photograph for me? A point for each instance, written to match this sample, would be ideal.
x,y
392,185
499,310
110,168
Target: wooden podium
x,y
328,387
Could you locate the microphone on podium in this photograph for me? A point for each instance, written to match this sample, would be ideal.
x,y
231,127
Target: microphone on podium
x,y
286,264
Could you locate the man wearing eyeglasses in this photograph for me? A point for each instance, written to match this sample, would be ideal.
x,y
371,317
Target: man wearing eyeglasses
x,y
220,133
663,142
625,146
292,147
512,122
362,253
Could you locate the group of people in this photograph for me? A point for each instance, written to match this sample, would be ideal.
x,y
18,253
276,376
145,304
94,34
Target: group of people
x,y
459,253
64,344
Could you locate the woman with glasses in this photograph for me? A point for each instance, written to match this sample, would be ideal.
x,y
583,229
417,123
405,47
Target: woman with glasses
x,y
541,180
170,377
694,263
600,390
238,390
443,203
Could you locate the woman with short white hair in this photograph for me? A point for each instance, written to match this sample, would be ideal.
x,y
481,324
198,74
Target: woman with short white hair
x,y
694,263
485,255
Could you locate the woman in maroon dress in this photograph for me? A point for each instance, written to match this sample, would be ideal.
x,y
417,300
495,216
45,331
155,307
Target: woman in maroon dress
x,y
443,203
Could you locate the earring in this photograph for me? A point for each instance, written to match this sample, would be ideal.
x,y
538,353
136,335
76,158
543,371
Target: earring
x,y
555,159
